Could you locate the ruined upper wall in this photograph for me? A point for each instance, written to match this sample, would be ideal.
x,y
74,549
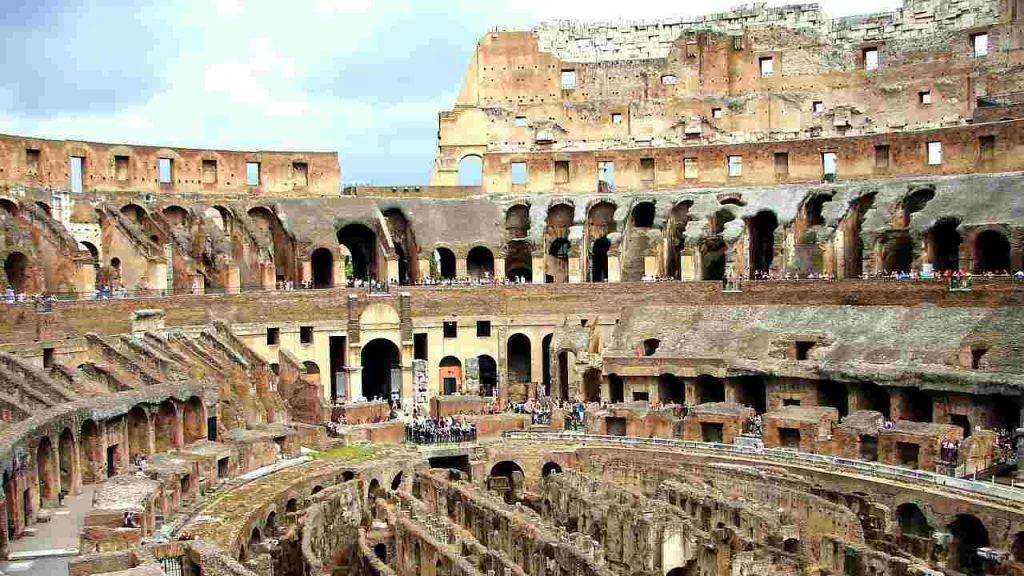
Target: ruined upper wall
x,y
756,75
131,168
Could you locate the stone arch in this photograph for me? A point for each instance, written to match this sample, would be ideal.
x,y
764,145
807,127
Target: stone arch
x,y
691,568
292,505
944,244
396,481
650,346
10,207
506,468
194,420
93,251
138,432
269,226
518,354
404,241
812,210
675,235
558,261
599,259
517,221
443,263
898,253
671,389
311,368
709,389
270,524
47,478
67,459
361,243
480,262
551,468
713,258
969,534
471,170
91,459
600,223
912,521
791,545
381,369
519,260
321,263
592,385
557,248
761,229
450,374
135,213
991,252
488,375
915,202
16,270
221,217
545,362
643,214
165,427
1017,546
177,216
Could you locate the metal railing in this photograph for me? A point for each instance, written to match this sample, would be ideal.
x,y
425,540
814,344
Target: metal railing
x,y
991,490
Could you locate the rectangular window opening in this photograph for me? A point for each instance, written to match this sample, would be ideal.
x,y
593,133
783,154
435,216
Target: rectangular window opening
x,y
716,112
767,66
647,169
616,118
32,161
934,153
519,173
305,335
987,148
521,121
979,44
829,166
48,355
300,173
451,329
568,79
561,171
781,164
817,106
924,97
870,58
273,336
882,157
483,328
606,176
209,171
252,173
165,168
121,168
419,346
735,164
801,349
690,170
77,168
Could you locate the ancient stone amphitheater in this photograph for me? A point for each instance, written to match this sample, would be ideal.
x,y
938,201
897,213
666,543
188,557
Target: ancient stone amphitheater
x,y
736,295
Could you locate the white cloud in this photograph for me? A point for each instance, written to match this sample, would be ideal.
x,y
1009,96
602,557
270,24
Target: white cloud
x,y
333,7
228,8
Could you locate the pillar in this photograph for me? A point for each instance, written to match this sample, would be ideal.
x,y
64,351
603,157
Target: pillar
x,y
614,268
539,268
338,273
305,271
499,268
424,265
461,267
575,269
233,279
392,270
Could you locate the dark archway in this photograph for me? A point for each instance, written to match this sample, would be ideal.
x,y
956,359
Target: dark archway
x,y
480,262
46,470
876,398
599,259
396,482
505,469
268,226
545,362
912,521
67,459
138,432
91,457
361,243
713,259
519,261
558,270
550,468
969,534
709,389
834,394
643,215
404,240
945,244
898,254
193,420
918,405
488,375
450,372
671,389
322,263
563,375
762,241
16,270
444,263
753,392
616,389
916,202
592,385
381,374
165,427
519,359
8,207
991,252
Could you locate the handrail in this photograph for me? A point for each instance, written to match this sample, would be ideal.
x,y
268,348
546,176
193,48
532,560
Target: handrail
x,y
790,456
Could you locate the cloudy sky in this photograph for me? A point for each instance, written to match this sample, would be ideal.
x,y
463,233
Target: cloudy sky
x,y
365,78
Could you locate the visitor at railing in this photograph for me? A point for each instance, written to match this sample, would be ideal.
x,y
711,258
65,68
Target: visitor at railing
x,y
754,426
444,431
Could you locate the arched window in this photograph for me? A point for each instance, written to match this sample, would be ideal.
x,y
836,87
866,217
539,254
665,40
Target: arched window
x,y
471,171
991,252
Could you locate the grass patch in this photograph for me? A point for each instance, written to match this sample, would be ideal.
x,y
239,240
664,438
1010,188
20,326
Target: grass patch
x,y
353,454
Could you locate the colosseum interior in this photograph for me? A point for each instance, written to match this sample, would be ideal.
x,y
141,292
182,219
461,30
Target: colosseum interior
x,y
733,296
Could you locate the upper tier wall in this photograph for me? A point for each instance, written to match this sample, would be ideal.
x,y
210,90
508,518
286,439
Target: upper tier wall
x,y
120,167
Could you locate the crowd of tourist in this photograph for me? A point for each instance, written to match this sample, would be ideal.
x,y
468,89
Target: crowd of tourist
x,y
540,411
422,430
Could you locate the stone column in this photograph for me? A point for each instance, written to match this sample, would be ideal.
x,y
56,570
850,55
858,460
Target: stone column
x,y
539,268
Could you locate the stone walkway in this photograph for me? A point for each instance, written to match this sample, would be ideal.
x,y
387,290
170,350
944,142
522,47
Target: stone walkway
x,y
54,542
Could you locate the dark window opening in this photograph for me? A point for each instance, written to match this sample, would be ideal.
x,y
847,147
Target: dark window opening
x,y
869,448
962,421
801,349
483,328
641,396
986,148
907,454
273,336
451,329
561,171
976,355
305,334
32,161
48,355
300,173
121,168
419,346
789,438
882,157
781,164
651,346
711,432
647,169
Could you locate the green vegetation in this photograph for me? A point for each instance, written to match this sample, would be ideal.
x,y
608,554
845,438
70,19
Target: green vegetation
x,y
353,454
